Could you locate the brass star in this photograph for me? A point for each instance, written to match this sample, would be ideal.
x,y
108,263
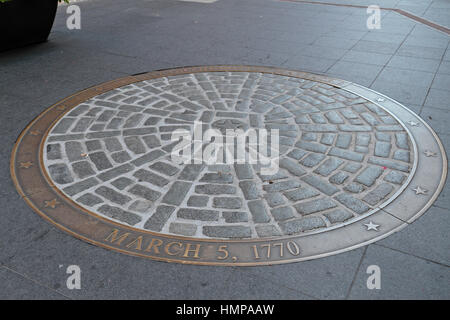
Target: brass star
x,y
413,124
35,132
419,190
429,153
371,226
52,203
26,165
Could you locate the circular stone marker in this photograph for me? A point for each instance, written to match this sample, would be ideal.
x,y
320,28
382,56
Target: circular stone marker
x,y
354,166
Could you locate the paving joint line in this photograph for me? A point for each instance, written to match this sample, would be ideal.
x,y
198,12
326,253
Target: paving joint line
x,y
432,81
35,281
356,272
404,13
412,255
392,56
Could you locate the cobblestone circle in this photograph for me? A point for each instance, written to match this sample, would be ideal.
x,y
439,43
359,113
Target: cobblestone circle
x,y
341,156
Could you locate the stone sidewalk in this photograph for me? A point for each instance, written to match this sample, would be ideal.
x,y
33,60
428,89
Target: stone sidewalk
x,y
406,60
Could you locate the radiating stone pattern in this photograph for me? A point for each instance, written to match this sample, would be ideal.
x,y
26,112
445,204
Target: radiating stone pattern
x,y
341,156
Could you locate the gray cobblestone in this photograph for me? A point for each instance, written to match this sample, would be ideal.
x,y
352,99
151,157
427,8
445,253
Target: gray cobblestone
x,y
54,151
274,199
89,199
390,128
217,178
292,166
101,135
64,125
82,169
113,144
352,167
312,159
281,186
381,136
301,225
338,215
80,186
135,145
389,164
144,192
320,184
311,146
150,177
177,193
151,141
60,173
345,154
328,138
119,214
395,177
258,211
121,183
185,229
382,149
314,206
296,154
93,145
121,156
339,177
328,166
243,171
198,201
363,139
352,203
112,195
100,160
235,216
148,157
378,194
402,155
282,213
215,189
139,131
227,231
227,202
164,168
198,214
191,172
343,140
250,190
402,140
158,219
73,150
115,123
354,187
66,137
309,136
301,194
82,124
354,128
369,175
267,230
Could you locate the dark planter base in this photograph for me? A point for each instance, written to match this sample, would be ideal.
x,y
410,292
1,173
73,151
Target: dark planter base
x,y
25,22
